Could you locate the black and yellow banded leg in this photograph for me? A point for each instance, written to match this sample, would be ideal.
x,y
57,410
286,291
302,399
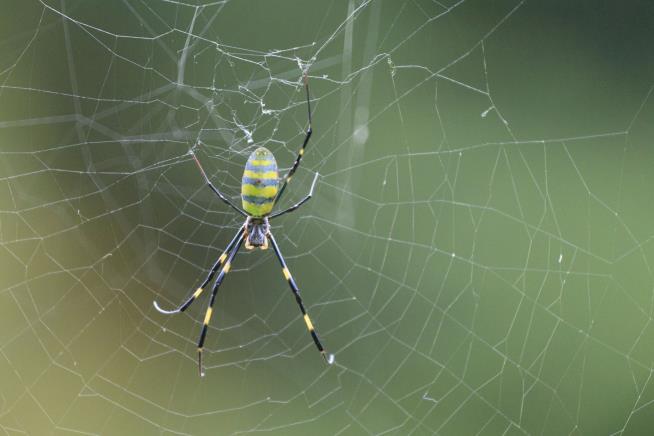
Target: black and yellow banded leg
x,y
199,291
214,291
296,164
299,203
329,358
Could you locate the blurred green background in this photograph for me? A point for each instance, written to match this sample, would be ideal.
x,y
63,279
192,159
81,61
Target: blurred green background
x,y
478,253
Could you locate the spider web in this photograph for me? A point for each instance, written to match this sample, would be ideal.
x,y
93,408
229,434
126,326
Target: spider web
x,y
478,252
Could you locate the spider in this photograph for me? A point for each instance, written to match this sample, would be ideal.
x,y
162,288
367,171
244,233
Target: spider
x,y
260,191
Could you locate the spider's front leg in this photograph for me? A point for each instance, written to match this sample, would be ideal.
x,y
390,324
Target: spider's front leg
x,y
219,263
329,358
207,317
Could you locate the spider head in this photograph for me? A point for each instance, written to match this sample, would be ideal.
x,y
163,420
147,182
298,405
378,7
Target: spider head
x,y
256,231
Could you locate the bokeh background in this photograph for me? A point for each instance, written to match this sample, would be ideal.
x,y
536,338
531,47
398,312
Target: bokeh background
x,y
478,253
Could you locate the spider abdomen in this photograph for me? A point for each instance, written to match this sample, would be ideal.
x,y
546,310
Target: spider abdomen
x,y
259,184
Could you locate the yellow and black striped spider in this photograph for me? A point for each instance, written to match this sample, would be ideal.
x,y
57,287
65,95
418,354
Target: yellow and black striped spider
x,y
260,191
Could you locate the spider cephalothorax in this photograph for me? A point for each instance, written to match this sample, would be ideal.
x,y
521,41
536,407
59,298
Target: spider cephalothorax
x,y
256,233
260,191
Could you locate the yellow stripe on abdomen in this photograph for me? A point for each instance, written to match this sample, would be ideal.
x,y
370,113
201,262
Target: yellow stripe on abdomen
x,y
260,174
262,163
258,209
258,191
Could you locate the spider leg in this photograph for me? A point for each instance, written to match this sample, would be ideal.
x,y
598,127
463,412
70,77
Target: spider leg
x,y
329,358
213,188
214,291
296,164
199,291
299,203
